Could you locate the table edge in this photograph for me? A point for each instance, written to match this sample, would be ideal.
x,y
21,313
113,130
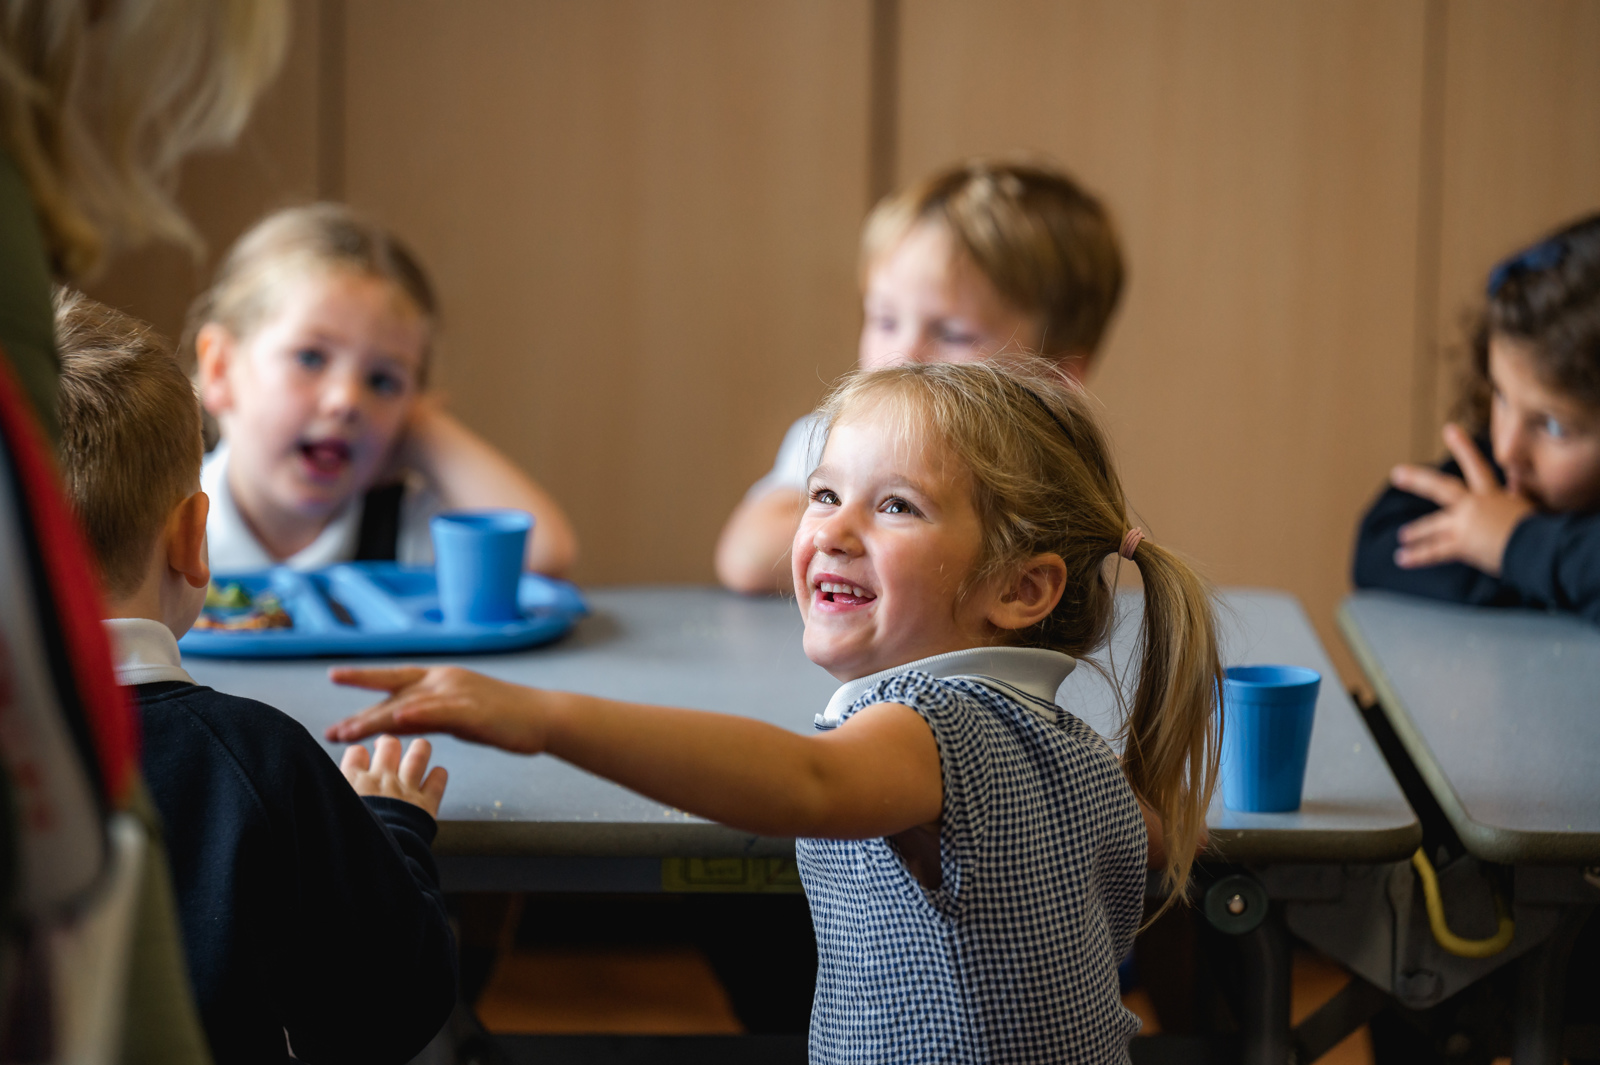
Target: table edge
x,y
604,839
1486,842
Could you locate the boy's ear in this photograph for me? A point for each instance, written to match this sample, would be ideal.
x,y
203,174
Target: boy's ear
x,y
186,540
1074,365
1033,592
215,349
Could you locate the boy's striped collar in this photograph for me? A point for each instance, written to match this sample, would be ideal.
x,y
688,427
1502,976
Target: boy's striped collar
x,y
1012,671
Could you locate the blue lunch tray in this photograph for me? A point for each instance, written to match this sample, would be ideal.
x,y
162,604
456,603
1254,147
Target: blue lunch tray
x,y
392,610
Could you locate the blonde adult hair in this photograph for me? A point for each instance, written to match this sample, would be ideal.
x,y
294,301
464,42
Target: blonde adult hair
x,y
1048,247
130,433
100,100
1043,483
292,243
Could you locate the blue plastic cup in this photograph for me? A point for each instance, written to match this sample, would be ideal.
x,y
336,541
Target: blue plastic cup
x,y
477,560
1266,735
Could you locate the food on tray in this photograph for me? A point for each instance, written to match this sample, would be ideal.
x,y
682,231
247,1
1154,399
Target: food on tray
x,y
231,608
228,596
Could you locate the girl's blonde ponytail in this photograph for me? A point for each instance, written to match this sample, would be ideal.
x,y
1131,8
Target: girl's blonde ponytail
x,y
1172,734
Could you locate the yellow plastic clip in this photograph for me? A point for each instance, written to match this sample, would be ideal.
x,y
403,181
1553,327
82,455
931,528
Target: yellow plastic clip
x,y
1461,948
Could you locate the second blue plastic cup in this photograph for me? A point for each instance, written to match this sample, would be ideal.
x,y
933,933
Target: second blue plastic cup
x,y
1266,735
477,559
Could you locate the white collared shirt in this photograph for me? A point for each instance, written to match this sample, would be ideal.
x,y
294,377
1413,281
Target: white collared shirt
x,y
798,455
235,549
1033,672
144,652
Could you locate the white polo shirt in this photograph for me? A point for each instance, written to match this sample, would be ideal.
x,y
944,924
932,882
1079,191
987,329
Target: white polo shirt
x,y
235,549
144,652
798,455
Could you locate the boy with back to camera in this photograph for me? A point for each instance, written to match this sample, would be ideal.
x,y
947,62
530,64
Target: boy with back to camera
x,y
309,901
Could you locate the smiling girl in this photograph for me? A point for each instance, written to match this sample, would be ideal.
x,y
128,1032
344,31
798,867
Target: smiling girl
x,y
973,854
313,348
1514,519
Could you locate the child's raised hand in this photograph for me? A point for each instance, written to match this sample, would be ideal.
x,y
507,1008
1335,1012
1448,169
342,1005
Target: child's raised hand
x,y
444,699
1475,519
391,776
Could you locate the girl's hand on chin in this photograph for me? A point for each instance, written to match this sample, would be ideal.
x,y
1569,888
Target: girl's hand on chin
x,y
1475,519
444,699
413,445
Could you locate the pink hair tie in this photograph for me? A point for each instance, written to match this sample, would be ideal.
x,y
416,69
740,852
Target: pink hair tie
x,y
1130,542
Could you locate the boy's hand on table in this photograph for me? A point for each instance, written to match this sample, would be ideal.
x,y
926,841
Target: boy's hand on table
x,y
391,776
1475,519
444,699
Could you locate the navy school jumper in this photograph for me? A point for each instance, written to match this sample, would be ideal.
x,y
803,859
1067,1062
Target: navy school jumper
x,y
305,908
1552,561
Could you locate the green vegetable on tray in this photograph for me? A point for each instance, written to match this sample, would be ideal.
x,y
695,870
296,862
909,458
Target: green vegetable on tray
x,y
239,611
229,596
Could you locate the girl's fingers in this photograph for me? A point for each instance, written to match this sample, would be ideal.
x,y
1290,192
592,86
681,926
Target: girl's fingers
x,y
388,679
1423,528
1429,548
374,719
1428,483
415,763
1474,467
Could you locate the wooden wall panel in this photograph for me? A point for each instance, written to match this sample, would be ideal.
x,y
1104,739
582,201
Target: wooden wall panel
x,y
1263,162
642,219
1520,151
274,163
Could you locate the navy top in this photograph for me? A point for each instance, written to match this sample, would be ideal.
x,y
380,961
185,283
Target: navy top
x,y
1013,958
306,910
1552,561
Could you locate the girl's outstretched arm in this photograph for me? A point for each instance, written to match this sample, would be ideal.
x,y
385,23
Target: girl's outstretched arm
x,y
876,775
467,471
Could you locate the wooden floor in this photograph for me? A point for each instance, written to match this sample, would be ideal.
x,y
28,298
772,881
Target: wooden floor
x,y
673,991
625,991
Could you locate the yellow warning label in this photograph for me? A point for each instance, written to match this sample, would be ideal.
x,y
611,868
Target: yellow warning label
x,y
730,874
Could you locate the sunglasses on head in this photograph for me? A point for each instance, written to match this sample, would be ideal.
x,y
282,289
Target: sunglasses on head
x,y
1545,255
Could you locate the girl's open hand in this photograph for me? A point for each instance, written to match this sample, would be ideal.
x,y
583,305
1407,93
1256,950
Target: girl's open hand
x,y
1475,519
385,773
444,699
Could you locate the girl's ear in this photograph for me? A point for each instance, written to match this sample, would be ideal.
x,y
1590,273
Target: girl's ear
x,y
1034,591
215,349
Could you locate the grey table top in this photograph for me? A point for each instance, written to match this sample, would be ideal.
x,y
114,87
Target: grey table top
x,y
1500,711
711,650
1351,811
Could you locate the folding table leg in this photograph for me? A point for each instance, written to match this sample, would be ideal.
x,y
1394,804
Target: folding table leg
x,y
1541,995
1264,972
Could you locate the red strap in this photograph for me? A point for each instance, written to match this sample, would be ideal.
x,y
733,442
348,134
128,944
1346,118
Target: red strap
x,y
70,576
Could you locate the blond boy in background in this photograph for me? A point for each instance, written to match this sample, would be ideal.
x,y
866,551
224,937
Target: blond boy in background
x,y
985,258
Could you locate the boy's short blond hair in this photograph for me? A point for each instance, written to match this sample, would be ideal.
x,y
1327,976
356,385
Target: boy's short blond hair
x,y
130,433
1048,247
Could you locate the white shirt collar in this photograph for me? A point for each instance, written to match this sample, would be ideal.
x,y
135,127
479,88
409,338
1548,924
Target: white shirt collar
x,y
1034,671
235,549
144,651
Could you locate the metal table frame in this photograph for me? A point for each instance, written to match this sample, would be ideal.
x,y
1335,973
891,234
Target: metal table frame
x,y
1478,699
